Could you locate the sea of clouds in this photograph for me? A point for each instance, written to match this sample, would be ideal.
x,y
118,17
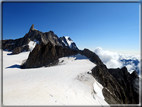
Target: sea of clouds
x,y
116,60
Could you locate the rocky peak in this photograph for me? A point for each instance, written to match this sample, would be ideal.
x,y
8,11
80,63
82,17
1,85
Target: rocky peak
x,y
35,36
32,28
51,32
134,74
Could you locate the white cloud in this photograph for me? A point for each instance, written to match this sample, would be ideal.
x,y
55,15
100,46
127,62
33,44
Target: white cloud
x,y
112,59
130,68
114,63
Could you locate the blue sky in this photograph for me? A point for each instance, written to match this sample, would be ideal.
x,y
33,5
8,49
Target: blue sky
x,y
112,26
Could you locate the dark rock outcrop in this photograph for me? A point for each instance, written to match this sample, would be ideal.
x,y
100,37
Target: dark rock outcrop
x,y
8,44
16,46
118,85
91,55
18,50
36,35
32,28
46,55
127,81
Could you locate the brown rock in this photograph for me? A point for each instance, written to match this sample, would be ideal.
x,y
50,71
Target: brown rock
x,y
18,50
46,55
117,83
92,56
32,28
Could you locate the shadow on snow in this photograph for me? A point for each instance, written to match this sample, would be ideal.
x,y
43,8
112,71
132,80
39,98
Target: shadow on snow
x,y
80,57
14,66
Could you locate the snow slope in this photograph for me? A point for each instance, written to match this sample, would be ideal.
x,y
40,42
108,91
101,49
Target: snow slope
x,y
32,44
68,83
69,41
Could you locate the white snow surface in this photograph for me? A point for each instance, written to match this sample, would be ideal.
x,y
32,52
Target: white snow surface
x,y
69,41
32,44
65,84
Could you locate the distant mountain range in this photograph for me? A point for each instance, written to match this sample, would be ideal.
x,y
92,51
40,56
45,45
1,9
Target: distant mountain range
x,y
119,86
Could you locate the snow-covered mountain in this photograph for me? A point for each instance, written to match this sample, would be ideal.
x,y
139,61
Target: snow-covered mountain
x,y
67,42
33,37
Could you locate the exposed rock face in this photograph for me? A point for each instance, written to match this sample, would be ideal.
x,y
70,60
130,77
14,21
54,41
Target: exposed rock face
x,y
129,82
46,55
32,28
36,35
8,44
33,35
17,45
92,56
18,50
118,85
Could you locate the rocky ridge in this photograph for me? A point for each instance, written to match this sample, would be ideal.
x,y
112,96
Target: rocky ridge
x,y
46,55
119,85
22,44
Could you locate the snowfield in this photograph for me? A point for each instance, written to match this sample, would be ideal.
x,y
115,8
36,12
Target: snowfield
x,y
69,41
69,83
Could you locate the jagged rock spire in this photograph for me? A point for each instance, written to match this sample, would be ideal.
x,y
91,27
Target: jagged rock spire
x,y
32,27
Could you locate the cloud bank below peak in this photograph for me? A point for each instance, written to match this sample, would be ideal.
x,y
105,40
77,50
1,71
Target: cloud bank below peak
x,y
116,60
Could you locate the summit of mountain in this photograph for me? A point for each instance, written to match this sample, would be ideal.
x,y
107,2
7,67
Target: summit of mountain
x,y
34,37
